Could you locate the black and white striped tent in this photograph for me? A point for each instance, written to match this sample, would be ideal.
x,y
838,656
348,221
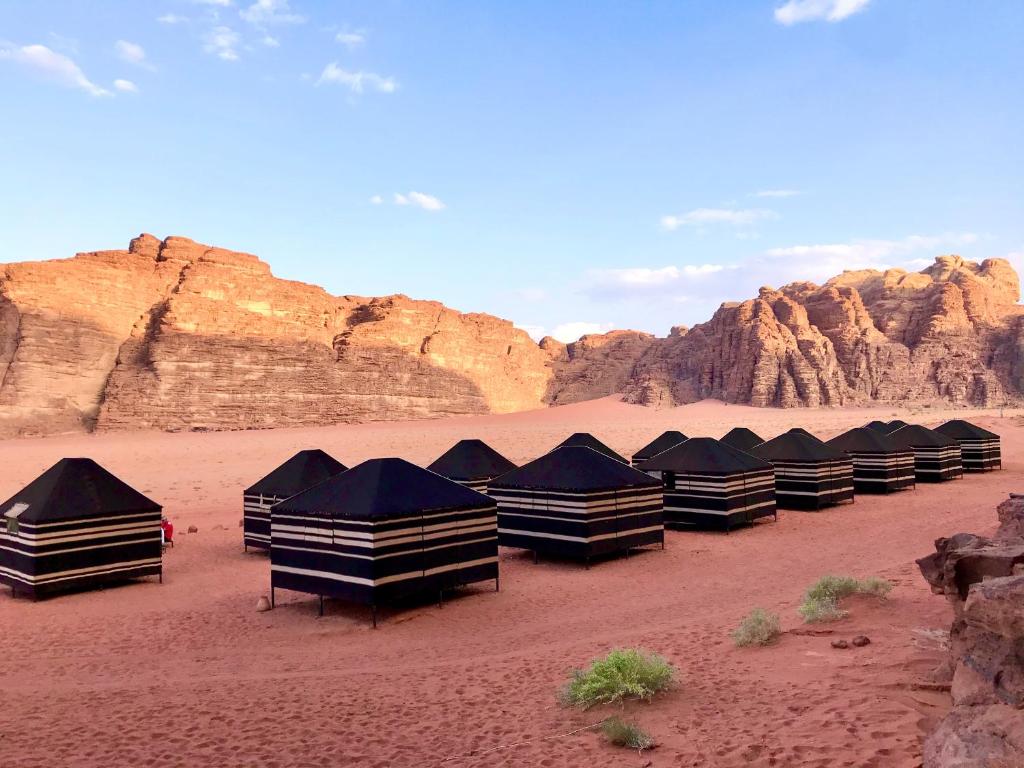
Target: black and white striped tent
x,y
937,457
709,484
879,464
587,440
472,463
75,526
662,442
380,531
808,473
980,448
578,503
303,470
742,438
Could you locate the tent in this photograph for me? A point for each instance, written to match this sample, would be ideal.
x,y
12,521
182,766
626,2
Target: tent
x,y
303,470
801,431
576,502
587,440
710,484
742,438
382,530
808,473
472,463
980,448
74,526
892,426
879,464
877,425
937,457
661,443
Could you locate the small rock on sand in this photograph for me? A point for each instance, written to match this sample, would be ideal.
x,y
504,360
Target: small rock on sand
x,y
840,644
193,529
263,604
861,640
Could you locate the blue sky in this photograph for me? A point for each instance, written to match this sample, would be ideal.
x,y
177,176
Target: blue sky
x,y
571,166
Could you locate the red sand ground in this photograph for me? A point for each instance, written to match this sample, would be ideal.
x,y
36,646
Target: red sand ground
x,y
188,673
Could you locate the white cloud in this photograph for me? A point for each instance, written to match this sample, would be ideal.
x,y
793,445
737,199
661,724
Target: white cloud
x,y
778,193
133,53
532,294
351,39
566,332
222,42
706,216
264,12
672,281
796,11
126,86
219,3
376,200
171,18
357,82
270,41
420,200
53,66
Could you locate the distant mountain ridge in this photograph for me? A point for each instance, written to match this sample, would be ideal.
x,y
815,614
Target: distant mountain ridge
x,y
176,335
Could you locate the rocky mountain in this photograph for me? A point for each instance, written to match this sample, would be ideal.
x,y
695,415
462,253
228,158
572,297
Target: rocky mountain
x,y
177,335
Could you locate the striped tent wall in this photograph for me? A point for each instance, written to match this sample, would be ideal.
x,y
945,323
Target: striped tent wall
x,y
579,524
41,558
376,561
935,463
256,519
719,501
882,472
813,484
981,454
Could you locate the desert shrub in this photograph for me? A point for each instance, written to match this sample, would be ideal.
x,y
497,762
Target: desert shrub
x,y
759,627
622,674
821,602
623,734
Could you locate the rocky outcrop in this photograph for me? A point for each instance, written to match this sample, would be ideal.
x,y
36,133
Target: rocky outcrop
x,y
177,335
597,365
983,579
952,332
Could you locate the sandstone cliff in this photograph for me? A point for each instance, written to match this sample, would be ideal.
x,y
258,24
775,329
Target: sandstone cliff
x,y
178,335
952,332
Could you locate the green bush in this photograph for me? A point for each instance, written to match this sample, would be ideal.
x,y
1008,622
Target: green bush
x,y
623,734
622,674
821,602
759,627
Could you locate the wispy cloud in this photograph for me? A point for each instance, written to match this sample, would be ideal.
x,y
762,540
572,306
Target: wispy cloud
x,y
376,200
419,200
700,217
565,332
133,53
53,66
126,86
222,42
797,11
357,82
267,12
351,39
218,3
171,18
778,193
825,259
675,282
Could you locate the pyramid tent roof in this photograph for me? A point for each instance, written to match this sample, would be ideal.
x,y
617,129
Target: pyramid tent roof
x,y
704,455
959,429
796,446
575,468
662,442
303,470
742,438
587,440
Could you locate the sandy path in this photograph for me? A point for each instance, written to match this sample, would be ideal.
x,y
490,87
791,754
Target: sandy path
x,y
187,673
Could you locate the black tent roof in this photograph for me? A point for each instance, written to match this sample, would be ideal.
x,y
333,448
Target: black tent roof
x,y
471,460
892,426
802,431
705,454
880,426
303,470
742,438
382,489
575,468
916,436
662,442
959,429
796,446
864,440
587,440
73,489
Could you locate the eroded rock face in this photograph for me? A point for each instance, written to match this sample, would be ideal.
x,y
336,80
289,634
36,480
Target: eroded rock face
x,y
983,579
595,366
952,332
179,335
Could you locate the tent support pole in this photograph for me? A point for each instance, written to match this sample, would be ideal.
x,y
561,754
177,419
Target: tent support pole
x,y
440,598
271,595
321,605
497,584
161,575
373,608
535,557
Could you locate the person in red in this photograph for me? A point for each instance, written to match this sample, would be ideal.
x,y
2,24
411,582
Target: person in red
x,y
166,532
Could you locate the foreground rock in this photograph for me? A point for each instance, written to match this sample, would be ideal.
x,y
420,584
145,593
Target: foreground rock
x,y
983,579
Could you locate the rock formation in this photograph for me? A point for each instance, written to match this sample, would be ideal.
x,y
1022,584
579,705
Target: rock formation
x,y
983,579
952,332
177,335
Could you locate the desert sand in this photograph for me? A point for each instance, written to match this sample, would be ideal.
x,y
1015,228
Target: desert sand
x,y
188,673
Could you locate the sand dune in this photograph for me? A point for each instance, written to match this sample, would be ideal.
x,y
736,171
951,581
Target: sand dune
x,y
187,673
